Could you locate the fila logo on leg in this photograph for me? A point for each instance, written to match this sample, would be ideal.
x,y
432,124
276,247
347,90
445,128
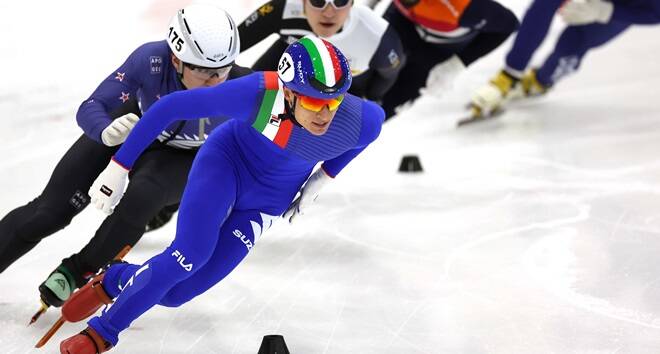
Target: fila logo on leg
x,y
181,259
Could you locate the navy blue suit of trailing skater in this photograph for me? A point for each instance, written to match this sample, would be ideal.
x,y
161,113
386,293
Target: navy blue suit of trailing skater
x,y
151,71
575,41
244,176
148,74
591,23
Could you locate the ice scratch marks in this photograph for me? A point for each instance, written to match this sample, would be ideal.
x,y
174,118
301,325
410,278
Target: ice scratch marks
x,y
607,173
582,214
334,326
397,333
558,274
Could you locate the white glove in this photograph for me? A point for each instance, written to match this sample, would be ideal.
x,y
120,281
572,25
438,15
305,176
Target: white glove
x,y
441,78
582,12
116,133
109,187
308,194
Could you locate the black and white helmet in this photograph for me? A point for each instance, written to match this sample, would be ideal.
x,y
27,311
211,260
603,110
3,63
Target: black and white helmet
x,y
204,35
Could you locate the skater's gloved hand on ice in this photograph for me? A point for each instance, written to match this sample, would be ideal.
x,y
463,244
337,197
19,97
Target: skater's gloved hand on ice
x,y
582,12
308,194
442,77
109,187
117,131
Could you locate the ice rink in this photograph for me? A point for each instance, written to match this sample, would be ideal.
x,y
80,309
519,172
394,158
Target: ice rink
x,y
537,232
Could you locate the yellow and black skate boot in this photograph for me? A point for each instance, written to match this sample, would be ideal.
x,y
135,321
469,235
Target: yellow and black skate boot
x,y
531,85
505,82
490,97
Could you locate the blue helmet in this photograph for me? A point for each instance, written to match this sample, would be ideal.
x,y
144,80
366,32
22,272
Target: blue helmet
x,y
314,67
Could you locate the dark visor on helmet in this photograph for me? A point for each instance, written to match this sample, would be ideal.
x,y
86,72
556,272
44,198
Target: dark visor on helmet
x,y
318,85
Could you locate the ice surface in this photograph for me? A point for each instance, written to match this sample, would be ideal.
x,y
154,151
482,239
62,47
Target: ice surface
x,y
533,233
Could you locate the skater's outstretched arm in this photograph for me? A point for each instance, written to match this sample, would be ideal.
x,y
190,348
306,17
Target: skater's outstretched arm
x,y
386,64
644,12
495,24
233,99
120,86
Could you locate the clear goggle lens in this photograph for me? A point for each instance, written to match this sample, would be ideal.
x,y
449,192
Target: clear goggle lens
x,y
205,73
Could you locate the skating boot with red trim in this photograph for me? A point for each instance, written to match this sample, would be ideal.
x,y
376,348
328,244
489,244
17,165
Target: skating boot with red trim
x,y
86,342
86,301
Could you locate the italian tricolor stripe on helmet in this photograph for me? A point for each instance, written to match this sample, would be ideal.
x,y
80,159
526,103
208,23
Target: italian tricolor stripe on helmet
x,y
324,60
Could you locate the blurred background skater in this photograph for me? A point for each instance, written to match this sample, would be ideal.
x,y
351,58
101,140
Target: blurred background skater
x,y
371,45
441,38
591,23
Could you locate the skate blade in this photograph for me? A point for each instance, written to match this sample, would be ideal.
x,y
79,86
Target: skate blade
x,y
61,320
476,115
38,314
50,333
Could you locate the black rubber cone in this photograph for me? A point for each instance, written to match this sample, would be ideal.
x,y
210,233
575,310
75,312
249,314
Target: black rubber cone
x,y
273,344
410,163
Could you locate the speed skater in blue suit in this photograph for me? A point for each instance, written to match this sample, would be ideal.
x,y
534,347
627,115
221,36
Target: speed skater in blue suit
x,y
246,175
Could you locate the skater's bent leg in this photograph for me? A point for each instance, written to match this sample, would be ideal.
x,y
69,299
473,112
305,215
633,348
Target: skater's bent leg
x,y
571,47
12,244
159,179
62,199
207,200
533,30
237,237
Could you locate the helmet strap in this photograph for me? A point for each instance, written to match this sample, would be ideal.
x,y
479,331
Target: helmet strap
x,y
288,112
179,73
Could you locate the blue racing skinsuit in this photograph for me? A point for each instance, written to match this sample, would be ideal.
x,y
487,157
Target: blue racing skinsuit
x,y
244,176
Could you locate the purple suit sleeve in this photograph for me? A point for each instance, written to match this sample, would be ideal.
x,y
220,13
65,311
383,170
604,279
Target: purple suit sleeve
x,y
372,121
498,24
637,12
123,83
234,99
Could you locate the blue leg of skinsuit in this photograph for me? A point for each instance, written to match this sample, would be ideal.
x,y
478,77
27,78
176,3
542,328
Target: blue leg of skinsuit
x,y
227,255
533,29
205,237
571,47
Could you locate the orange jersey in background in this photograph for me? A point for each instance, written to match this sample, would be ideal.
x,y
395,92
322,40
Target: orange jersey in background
x,y
438,15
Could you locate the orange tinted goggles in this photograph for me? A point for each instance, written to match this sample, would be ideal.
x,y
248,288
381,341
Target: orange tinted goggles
x,y
316,104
